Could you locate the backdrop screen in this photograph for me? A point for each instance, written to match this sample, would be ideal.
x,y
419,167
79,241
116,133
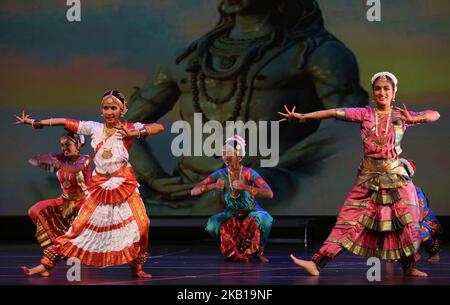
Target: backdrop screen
x,y
58,58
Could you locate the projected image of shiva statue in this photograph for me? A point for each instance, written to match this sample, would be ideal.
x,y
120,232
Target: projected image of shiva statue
x,y
261,55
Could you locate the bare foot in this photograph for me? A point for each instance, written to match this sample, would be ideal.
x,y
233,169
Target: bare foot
x,y
142,275
389,267
263,259
239,258
434,258
414,272
40,269
137,271
309,266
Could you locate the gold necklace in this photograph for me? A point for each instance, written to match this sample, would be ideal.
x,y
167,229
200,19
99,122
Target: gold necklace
x,y
382,140
107,152
234,194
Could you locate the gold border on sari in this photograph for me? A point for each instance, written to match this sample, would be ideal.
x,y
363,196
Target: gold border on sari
x,y
379,165
356,204
388,198
394,254
383,174
41,236
386,225
346,223
412,203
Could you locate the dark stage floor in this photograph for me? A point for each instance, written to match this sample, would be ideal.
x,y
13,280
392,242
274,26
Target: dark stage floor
x,y
202,264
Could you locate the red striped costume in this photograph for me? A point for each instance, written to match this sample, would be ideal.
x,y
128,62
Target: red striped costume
x,y
112,225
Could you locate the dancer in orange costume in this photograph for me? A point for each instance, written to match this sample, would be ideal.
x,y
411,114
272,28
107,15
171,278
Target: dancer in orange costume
x,y
112,225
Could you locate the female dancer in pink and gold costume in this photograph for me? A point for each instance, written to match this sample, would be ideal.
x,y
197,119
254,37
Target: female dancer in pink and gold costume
x,y
112,225
380,217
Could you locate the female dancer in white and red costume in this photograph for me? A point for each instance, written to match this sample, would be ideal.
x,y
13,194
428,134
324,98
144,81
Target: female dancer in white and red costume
x,y
381,214
112,225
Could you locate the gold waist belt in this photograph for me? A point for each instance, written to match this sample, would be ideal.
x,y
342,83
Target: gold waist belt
x,y
379,165
72,197
116,173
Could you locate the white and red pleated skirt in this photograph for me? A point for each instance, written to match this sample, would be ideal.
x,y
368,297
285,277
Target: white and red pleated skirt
x,y
111,227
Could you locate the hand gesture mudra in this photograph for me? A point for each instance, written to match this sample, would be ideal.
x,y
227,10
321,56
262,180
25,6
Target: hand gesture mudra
x,y
291,114
46,162
404,115
238,185
220,184
24,119
124,130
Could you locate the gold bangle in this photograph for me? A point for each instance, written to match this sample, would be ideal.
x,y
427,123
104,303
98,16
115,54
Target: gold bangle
x,y
340,114
140,131
421,119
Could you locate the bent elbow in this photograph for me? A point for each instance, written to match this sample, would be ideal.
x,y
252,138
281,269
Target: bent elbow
x,y
438,115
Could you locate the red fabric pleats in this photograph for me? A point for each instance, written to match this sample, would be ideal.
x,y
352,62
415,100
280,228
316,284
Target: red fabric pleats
x,y
117,195
238,235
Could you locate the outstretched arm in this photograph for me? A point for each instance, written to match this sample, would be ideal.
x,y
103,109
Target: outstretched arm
x,y
26,119
42,161
53,163
303,117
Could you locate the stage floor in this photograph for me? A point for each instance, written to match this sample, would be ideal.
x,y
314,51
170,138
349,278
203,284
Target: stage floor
x,y
202,264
